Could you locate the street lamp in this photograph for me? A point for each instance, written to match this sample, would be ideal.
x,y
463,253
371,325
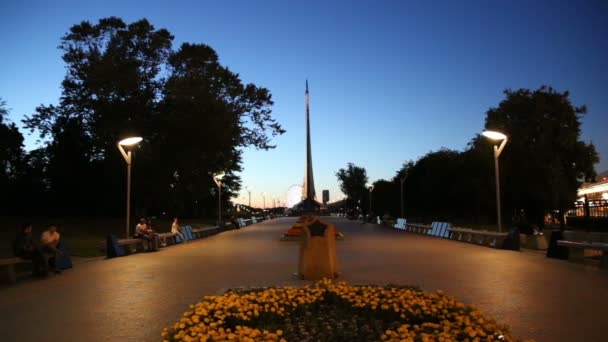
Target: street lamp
x,y
403,178
217,178
264,201
371,188
249,191
128,158
496,136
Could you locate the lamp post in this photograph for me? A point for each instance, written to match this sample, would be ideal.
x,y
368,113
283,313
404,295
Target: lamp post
x,y
403,178
263,201
128,158
371,188
496,136
217,178
249,191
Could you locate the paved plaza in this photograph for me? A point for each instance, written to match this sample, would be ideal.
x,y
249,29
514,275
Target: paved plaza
x,y
133,298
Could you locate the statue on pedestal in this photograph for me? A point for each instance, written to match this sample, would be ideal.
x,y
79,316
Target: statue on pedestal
x,y
318,257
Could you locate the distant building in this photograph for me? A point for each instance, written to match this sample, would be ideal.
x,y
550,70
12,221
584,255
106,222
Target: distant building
x,y
325,196
597,190
592,198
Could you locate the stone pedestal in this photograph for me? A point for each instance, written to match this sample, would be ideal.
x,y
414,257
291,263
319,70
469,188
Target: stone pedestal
x,y
318,258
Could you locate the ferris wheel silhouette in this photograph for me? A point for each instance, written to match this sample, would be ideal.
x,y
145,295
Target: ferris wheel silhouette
x,y
293,195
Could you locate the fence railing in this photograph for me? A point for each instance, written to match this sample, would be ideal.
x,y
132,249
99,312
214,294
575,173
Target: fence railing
x,y
593,208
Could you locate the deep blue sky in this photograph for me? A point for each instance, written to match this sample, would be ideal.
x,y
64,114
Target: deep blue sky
x,y
389,81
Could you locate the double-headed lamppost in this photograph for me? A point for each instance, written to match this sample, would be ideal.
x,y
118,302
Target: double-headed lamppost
x,y
497,136
217,178
403,178
128,158
371,188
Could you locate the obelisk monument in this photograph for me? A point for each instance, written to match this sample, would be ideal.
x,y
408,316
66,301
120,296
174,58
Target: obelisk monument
x,y
308,202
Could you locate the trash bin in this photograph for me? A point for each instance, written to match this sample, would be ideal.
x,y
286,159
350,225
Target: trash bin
x,y
555,251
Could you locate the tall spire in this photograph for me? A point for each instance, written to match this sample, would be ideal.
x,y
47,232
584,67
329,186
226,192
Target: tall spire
x,y
308,190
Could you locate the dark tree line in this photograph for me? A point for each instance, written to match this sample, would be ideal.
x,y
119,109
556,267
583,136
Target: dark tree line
x,y
541,167
194,114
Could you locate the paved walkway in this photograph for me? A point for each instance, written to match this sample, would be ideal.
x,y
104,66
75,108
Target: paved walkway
x,y
133,298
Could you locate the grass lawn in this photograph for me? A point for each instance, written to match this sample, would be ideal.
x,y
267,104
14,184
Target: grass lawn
x,y
82,235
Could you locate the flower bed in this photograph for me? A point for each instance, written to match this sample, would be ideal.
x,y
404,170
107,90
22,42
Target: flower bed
x,y
329,311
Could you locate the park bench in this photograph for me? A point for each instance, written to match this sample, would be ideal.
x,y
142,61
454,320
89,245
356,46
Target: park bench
x,y
163,237
440,229
7,268
204,232
480,237
133,245
418,228
576,251
400,224
581,236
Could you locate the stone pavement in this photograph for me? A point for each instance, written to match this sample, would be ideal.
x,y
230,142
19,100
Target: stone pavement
x,y
133,298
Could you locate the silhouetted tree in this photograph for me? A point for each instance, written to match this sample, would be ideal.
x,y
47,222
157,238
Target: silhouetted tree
x,y
542,165
353,182
545,161
193,113
11,160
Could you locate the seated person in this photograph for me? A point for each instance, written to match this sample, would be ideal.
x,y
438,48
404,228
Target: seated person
x,y
144,231
25,248
175,229
235,222
49,241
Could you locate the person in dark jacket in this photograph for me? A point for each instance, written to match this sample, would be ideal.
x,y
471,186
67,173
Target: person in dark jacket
x,y
25,248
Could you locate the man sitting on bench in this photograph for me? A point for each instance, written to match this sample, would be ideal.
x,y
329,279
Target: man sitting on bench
x,y
145,232
49,241
25,248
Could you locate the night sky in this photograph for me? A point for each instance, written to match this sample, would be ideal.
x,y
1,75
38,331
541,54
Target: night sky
x,y
389,80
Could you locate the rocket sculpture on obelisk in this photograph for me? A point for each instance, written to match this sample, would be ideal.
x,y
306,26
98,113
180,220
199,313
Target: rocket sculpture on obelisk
x,y
308,203
308,189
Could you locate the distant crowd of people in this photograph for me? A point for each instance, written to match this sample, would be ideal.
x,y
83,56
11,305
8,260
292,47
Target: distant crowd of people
x,y
43,252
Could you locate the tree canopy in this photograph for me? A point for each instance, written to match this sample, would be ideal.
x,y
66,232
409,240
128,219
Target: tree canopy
x,y
541,168
353,181
194,114
544,162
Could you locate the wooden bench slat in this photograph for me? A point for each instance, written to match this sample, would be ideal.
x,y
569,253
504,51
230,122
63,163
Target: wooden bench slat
x,y
13,261
590,245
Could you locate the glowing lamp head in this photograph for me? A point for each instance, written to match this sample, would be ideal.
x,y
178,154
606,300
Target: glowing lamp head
x,y
218,176
130,141
494,135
